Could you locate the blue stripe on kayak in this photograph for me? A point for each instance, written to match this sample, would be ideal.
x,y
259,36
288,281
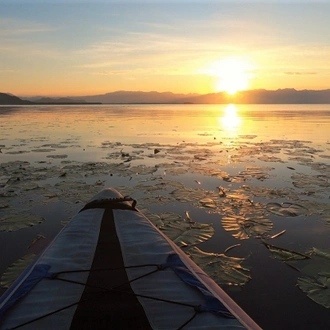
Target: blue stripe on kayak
x,y
212,304
37,274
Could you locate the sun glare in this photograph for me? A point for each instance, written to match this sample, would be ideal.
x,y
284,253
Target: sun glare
x,y
232,75
230,120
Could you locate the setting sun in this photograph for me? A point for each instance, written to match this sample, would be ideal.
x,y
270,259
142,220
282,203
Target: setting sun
x,y
233,74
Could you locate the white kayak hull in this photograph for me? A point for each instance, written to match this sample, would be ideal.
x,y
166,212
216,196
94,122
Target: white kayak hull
x,y
111,268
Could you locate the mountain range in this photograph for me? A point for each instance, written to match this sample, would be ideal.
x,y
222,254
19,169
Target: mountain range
x,y
257,96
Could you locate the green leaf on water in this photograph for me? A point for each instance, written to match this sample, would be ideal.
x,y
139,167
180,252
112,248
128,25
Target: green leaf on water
x,y
15,269
186,194
182,231
202,198
286,209
245,227
320,253
16,220
317,289
285,254
223,269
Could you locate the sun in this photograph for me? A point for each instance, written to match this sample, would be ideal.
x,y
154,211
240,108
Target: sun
x,y
232,74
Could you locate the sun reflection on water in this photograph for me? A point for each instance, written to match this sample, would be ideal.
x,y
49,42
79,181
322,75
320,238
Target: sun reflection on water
x,y
230,120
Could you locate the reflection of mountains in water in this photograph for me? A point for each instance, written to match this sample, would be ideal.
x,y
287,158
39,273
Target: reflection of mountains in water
x,y
258,96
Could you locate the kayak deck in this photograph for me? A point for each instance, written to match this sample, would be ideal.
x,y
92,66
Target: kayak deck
x,y
111,268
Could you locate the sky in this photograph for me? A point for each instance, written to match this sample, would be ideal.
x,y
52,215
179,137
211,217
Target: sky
x,y
68,48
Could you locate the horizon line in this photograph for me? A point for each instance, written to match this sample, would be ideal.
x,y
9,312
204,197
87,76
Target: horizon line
x,y
164,92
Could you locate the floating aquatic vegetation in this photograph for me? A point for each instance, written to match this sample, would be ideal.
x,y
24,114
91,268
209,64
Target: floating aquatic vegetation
x,y
186,194
3,204
65,222
271,159
18,152
163,183
244,227
286,209
18,220
15,269
222,191
238,203
175,171
256,172
8,192
141,170
322,168
75,191
35,240
231,247
317,288
43,150
238,196
302,160
247,136
57,156
320,253
223,269
208,171
183,232
25,186
56,145
201,197
271,193
285,254
325,156
209,203
307,181
94,169
127,191
278,234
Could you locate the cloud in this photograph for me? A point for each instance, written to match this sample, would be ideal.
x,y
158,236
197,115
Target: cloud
x,y
11,27
109,73
297,73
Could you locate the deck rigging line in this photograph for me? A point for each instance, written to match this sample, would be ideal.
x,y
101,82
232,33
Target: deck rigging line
x,y
54,276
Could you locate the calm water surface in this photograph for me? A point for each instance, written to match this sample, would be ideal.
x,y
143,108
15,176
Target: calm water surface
x,y
270,164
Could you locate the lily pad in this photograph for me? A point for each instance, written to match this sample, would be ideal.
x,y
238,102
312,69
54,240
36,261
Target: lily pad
x,y
245,227
286,209
15,269
320,253
203,197
285,254
306,181
141,170
16,221
223,269
317,289
57,156
182,231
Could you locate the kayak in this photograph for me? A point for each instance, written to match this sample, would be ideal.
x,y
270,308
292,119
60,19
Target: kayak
x,y
111,268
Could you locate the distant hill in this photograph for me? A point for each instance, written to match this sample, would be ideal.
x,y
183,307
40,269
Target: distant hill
x,y
9,99
62,100
257,96
283,96
137,97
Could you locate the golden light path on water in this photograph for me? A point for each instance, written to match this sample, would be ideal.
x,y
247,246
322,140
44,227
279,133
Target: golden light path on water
x,y
230,121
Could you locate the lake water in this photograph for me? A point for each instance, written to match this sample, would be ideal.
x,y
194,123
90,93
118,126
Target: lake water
x,y
259,175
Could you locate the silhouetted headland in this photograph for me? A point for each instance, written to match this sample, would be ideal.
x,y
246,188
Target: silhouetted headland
x,y
257,96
